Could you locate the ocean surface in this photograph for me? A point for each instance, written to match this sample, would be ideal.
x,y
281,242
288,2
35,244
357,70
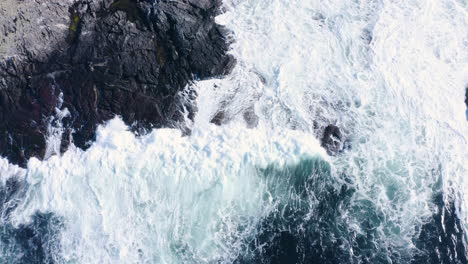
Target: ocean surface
x,y
260,188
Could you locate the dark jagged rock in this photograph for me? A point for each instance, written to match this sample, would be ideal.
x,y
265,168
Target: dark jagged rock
x,y
219,118
332,139
466,96
127,57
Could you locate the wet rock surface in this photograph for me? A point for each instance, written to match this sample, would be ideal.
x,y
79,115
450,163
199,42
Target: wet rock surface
x,y
219,118
98,59
466,96
332,139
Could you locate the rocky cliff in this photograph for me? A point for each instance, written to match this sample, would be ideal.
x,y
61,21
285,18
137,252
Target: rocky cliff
x,y
76,64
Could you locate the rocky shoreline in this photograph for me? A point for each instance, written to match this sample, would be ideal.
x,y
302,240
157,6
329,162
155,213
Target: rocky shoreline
x,y
77,64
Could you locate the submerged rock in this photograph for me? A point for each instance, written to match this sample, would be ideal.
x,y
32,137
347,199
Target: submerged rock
x,y
126,57
251,118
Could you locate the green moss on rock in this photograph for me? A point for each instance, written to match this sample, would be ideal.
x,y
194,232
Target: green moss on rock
x,y
74,28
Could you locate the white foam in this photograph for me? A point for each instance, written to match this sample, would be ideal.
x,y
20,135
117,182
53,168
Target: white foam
x,y
9,171
400,96
148,199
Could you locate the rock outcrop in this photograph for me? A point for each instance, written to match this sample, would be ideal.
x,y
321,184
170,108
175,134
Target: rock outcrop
x,y
79,63
466,97
332,140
